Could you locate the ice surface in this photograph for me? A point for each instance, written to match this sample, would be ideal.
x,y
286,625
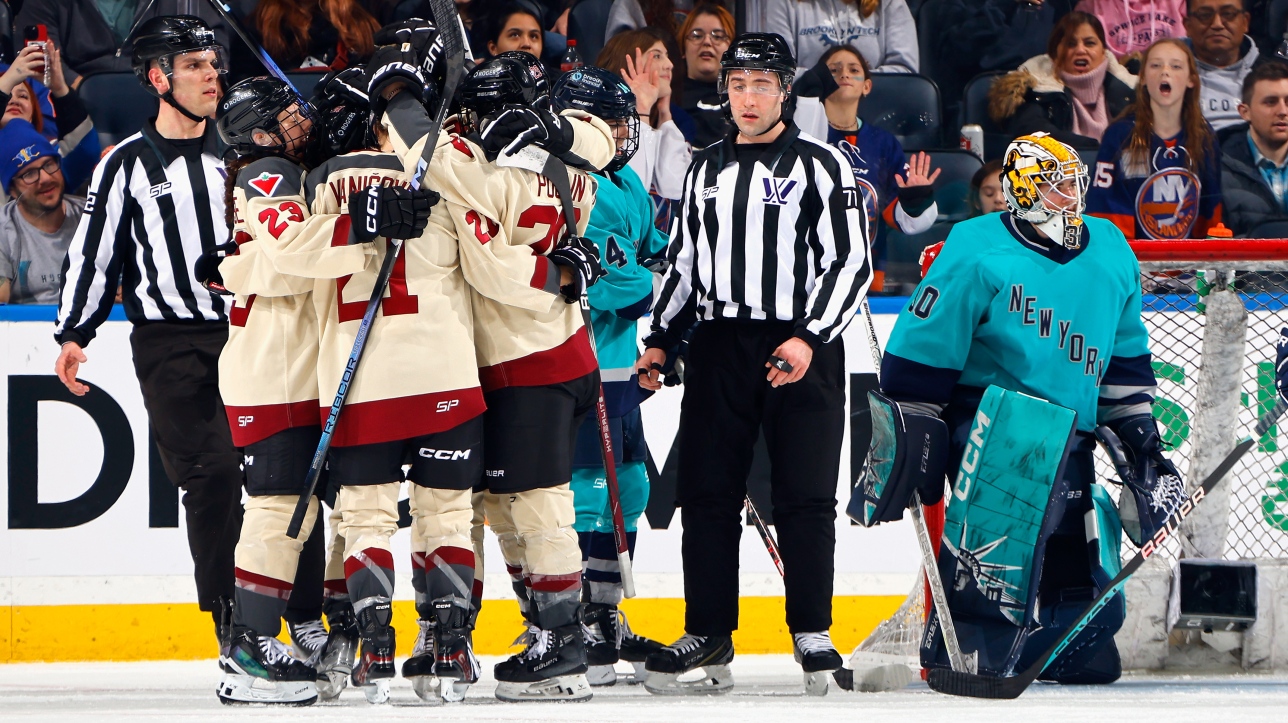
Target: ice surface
x,y
769,688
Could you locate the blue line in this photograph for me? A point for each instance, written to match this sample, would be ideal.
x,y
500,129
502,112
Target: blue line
x,y
46,312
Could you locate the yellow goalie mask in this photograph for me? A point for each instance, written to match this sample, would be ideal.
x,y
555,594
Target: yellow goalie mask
x,y
1046,184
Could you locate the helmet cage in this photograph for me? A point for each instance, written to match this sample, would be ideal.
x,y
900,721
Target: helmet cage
x,y
1045,183
255,106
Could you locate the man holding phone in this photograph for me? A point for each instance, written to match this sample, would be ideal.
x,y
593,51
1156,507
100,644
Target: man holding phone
x,y
770,254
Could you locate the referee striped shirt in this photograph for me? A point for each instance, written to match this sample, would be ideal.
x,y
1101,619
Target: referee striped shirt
x,y
769,231
154,206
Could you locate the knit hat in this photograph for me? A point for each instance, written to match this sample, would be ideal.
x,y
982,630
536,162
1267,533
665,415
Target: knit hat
x,y
20,144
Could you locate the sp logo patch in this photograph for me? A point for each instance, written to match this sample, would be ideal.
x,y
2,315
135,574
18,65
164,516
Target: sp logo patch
x,y
266,183
1167,204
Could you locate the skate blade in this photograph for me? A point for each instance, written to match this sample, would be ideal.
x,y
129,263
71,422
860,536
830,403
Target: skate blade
x,y
454,691
562,687
638,674
377,692
816,683
601,675
425,687
238,689
879,673
715,680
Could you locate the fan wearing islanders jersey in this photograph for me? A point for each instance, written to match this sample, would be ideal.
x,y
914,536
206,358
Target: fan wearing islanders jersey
x,y
1158,171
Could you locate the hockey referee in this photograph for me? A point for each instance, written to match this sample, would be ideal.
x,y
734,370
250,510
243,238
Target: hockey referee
x,y
156,203
769,255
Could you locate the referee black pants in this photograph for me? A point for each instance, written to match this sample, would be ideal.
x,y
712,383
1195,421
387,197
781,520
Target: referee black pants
x,y
726,403
178,369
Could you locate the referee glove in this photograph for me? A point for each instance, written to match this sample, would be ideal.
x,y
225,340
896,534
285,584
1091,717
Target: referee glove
x,y
581,256
399,213
206,268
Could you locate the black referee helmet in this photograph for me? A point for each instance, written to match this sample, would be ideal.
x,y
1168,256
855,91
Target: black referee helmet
x,y
163,37
758,51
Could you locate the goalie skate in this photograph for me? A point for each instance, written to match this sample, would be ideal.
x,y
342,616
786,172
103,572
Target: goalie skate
x,y
877,672
261,669
689,654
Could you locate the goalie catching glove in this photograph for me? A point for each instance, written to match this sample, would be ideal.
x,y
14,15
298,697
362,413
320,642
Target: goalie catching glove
x,y
398,213
517,127
206,268
1152,487
908,453
581,257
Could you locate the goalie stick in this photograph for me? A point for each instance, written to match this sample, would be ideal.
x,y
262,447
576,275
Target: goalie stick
x,y
983,686
454,56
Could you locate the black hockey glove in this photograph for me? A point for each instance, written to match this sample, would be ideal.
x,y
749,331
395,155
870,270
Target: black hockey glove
x,y
582,257
656,263
519,126
393,65
419,34
1152,487
399,213
206,268
1281,364
817,82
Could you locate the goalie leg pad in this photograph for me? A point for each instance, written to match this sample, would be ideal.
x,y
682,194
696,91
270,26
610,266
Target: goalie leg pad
x,y
908,452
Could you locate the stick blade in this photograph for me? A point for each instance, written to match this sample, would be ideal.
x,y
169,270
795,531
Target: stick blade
x,y
969,685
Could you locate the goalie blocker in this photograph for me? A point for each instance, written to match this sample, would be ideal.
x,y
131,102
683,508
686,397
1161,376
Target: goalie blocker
x,y
908,452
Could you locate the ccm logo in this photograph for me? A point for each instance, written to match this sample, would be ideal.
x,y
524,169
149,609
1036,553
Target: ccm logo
x,y
446,405
450,455
373,204
245,421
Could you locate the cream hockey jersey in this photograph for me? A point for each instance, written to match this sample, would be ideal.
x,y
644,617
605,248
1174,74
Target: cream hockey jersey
x,y
268,368
508,220
418,374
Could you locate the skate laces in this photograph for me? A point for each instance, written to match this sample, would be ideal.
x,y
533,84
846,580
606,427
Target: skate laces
x,y
525,637
623,628
814,642
310,636
687,644
275,651
425,639
539,642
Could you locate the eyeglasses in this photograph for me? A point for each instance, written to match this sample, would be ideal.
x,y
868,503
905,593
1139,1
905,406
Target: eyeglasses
x,y
51,166
1205,16
697,35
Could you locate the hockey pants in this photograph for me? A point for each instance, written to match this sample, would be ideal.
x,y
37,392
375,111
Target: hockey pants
x,y
535,531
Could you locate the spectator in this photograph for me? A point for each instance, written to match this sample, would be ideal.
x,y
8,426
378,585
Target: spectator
x,y
90,38
640,58
894,189
1072,92
316,35
38,223
705,35
1134,24
882,30
77,141
511,27
1158,173
1254,164
986,189
1218,36
635,14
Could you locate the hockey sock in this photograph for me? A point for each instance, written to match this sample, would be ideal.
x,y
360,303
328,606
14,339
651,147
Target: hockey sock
x,y
543,520
440,538
368,519
500,519
603,575
266,560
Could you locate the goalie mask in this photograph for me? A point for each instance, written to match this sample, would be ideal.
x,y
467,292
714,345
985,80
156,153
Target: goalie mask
x,y
1045,183
165,40
266,116
603,95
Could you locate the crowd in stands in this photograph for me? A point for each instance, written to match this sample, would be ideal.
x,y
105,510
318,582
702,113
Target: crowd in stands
x,y
1183,99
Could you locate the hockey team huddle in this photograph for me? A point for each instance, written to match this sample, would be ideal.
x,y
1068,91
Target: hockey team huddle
x,y
424,266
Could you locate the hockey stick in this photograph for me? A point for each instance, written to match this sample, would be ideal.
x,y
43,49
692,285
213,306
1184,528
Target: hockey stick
x,y
983,686
453,55
766,536
230,19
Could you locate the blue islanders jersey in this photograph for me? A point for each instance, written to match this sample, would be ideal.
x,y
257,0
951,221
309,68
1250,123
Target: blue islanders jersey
x,y
996,308
621,225
1157,197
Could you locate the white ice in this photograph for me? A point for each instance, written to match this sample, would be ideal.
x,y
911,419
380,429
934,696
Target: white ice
x,y
768,688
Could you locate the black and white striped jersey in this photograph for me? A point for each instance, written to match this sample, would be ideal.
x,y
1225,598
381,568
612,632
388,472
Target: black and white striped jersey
x,y
766,231
154,206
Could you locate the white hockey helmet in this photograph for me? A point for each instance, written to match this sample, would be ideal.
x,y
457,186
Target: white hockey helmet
x,y
1045,183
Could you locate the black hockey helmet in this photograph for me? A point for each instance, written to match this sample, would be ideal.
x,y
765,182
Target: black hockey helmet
x,y
249,118
498,82
759,51
535,69
161,38
604,95
343,113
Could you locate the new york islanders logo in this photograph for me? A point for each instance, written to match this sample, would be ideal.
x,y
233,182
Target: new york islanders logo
x,y
869,205
1167,204
266,183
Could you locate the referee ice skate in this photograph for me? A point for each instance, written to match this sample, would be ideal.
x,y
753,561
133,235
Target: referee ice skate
x,y
769,255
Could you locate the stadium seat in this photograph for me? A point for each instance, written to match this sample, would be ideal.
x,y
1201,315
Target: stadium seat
x,y
118,105
907,106
586,23
975,110
1270,229
952,188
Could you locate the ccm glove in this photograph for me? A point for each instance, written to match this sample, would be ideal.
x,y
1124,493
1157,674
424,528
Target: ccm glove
x,y
206,268
582,257
419,34
519,126
393,65
398,213
1152,487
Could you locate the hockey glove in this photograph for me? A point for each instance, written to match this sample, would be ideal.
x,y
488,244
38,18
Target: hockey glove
x,y
656,263
518,127
393,65
1152,486
206,268
580,255
419,34
817,82
399,213
1281,364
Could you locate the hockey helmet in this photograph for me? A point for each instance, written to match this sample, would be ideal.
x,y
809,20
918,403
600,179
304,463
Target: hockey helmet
x,y
758,51
161,39
265,115
493,84
343,113
535,69
1045,183
602,94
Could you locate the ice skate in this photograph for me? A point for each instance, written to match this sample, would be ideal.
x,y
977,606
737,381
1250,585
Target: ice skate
x,y
710,653
261,669
602,638
817,657
455,665
336,661
634,649
419,668
552,667
308,640
223,617
376,657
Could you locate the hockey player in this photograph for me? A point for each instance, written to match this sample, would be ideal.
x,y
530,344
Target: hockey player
x,y
1005,305
622,228
268,381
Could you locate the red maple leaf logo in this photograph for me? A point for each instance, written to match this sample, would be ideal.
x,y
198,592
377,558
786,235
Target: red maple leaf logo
x,y
266,183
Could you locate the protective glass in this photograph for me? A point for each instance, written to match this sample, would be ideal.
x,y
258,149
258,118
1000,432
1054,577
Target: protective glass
x,y
750,81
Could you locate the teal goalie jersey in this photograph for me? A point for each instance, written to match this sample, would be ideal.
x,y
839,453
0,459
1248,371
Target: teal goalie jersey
x,y
999,308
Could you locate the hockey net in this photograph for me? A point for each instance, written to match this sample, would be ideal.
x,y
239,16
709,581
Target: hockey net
x,y
1213,309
